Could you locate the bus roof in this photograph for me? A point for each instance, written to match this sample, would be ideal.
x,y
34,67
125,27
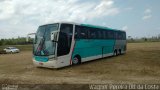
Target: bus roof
x,y
101,27
89,25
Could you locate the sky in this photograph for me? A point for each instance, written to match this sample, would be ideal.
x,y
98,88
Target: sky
x,y
139,18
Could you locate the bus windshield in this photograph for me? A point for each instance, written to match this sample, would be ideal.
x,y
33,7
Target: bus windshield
x,y
43,45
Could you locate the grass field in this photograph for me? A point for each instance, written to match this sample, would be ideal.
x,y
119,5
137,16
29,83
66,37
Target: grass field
x,y
140,65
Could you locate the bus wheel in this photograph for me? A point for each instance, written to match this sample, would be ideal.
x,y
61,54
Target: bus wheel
x,y
76,60
115,52
11,52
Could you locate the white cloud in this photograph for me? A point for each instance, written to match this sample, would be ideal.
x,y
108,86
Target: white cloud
x,y
106,8
125,28
147,17
147,14
22,14
147,11
6,10
57,10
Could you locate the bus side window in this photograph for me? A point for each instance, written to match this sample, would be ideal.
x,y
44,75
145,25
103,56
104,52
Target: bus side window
x,y
116,35
124,36
65,39
80,32
92,34
110,34
77,31
120,35
104,34
99,33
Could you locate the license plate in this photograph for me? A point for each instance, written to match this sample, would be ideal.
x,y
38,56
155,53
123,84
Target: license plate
x,y
40,63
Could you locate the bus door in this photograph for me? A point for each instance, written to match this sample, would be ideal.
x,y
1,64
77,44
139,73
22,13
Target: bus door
x,y
65,39
64,45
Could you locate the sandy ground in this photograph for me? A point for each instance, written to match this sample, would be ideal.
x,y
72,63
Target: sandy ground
x,y
140,65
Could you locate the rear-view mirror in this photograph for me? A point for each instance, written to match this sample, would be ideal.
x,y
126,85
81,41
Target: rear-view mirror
x,y
54,35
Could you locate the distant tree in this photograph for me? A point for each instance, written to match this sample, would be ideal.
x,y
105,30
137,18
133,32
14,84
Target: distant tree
x,y
16,41
132,39
129,37
0,43
145,39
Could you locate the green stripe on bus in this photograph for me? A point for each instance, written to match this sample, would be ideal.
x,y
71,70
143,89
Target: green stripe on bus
x,y
86,48
41,59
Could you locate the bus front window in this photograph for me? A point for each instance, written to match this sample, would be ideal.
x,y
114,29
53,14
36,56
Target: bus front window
x,y
43,46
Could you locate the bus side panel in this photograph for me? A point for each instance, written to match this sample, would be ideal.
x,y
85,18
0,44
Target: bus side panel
x,y
86,48
108,47
121,44
93,49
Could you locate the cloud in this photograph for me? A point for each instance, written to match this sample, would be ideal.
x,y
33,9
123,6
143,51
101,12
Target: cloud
x,y
27,15
147,14
57,10
147,17
148,11
6,10
125,28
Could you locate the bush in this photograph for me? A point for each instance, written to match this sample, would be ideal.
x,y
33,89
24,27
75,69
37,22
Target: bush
x,y
17,41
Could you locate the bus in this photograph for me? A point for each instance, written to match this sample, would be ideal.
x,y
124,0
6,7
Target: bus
x,y
64,43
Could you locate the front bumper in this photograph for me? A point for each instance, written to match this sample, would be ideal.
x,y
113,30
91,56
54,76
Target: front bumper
x,y
48,64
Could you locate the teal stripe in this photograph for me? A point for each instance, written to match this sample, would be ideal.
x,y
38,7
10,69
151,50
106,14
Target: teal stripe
x,y
88,48
41,59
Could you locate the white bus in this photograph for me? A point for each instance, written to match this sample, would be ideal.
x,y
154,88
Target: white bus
x,y
62,44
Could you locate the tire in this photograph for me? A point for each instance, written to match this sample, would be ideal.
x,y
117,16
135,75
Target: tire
x,y
10,52
76,60
115,53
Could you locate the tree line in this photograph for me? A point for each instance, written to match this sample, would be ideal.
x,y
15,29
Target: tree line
x,y
144,39
15,41
22,40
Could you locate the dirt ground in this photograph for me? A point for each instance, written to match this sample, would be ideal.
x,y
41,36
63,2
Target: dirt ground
x,y
140,65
